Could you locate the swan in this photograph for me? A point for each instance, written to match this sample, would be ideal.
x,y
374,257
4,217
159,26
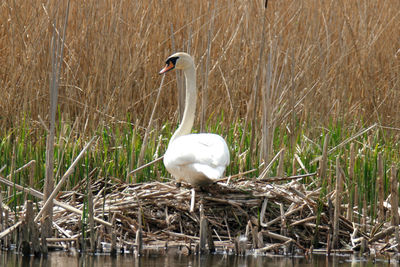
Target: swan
x,y
197,159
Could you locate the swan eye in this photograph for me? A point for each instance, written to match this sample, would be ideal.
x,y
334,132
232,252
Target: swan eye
x,y
172,60
170,64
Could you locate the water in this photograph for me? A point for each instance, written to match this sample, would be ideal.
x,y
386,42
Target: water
x,y
61,259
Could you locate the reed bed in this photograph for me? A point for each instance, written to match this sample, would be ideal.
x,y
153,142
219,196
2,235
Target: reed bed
x,y
283,85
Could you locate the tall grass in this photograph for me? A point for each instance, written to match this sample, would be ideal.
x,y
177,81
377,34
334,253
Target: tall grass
x,y
317,67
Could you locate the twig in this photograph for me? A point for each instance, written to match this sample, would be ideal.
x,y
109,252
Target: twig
x,y
294,177
146,165
10,229
63,179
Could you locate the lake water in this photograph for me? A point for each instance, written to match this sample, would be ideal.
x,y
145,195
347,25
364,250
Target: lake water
x,y
60,259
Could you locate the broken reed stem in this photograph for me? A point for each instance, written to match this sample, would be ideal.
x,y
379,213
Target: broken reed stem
x,y
30,233
149,126
265,171
57,49
254,98
335,238
351,181
203,231
387,232
91,220
49,200
394,199
204,94
10,229
352,138
364,214
139,238
146,165
381,193
351,196
324,160
294,177
280,171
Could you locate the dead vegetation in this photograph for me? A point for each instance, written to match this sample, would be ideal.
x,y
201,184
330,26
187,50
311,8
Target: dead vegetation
x,y
240,216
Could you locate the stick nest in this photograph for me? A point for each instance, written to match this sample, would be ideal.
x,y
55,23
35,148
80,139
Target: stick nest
x,y
257,211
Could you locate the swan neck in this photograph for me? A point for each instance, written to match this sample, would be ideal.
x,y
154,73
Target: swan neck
x,y
190,103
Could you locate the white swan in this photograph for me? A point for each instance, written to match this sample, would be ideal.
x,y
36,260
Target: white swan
x,y
198,159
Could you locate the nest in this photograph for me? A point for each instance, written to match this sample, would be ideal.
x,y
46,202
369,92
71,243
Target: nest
x,y
257,213
243,216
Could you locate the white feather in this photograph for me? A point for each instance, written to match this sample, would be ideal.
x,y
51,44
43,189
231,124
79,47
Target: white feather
x,y
197,158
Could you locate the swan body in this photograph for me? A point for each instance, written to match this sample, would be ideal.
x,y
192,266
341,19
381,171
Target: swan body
x,y
197,159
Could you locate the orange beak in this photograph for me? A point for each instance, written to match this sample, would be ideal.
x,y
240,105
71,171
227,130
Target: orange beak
x,y
167,67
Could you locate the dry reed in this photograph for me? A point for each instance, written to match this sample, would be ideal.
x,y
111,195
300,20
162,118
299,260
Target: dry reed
x,y
339,59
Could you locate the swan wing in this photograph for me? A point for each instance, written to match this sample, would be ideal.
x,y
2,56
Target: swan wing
x,y
204,153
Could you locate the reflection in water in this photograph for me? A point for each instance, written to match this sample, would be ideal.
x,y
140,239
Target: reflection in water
x,y
60,259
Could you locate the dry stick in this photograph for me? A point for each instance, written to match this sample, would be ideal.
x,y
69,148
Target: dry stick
x,y
351,181
139,239
349,214
91,220
394,201
235,175
352,138
298,159
306,220
276,236
56,63
203,231
266,112
11,176
254,236
265,171
256,85
277,219
7,239
324,160
387,232
335,238
283,220
262,214
381,193
294,177
38,194
280,171
27,232
273,246
132,157
63,179
192,200
9,230
22,168
146,165
364,214
179,81
205,87
148,129
346,141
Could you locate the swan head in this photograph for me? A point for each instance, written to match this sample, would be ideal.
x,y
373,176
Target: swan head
x,y
180,61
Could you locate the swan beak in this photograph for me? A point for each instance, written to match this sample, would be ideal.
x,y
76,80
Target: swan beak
x,y
167,67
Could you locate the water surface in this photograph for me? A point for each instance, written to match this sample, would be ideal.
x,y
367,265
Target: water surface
x,y
61,259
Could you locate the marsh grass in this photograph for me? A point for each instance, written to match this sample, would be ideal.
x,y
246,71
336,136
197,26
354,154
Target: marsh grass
x,y
316,68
